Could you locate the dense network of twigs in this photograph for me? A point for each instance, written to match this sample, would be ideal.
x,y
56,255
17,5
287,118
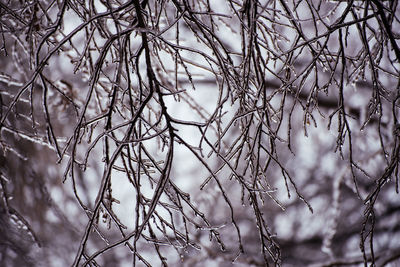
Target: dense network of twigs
x,y
117,89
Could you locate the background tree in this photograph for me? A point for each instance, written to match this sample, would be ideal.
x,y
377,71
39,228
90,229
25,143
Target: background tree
x,y
199,132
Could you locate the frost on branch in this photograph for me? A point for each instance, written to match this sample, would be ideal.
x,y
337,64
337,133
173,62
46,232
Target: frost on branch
x,y
190,132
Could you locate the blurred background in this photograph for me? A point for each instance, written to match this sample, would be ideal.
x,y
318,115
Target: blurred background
x,y
199,133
